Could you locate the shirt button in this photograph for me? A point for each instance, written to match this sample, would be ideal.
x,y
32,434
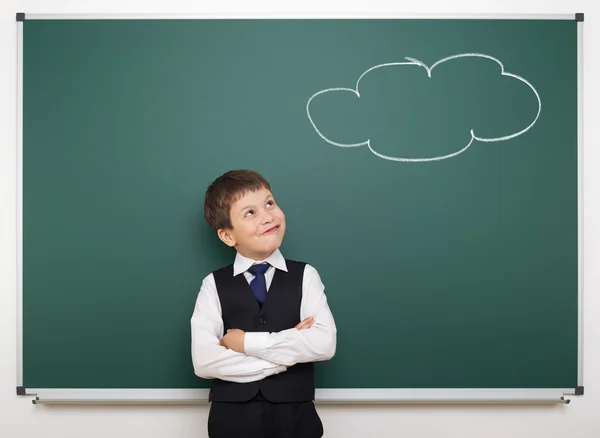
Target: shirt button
x,y
262,320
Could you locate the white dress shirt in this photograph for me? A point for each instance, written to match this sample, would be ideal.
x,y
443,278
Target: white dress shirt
x,y
265,353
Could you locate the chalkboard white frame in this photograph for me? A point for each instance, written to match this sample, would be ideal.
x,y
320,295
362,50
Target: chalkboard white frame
x,y
161,396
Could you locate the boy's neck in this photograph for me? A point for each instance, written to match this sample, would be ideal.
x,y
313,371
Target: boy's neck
x,y
255,256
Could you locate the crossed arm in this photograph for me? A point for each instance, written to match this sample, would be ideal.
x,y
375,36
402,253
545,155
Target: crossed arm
x,y
245,357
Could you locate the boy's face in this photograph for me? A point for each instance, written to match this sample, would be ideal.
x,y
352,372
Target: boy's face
x,y
258,225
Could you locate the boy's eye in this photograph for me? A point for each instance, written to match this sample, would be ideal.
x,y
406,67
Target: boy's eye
x,y
270,203
249,213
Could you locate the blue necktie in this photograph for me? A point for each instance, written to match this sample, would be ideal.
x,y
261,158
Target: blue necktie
x,y
259,283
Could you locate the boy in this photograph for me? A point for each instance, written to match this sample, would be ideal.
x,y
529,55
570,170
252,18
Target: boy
x,y
259,324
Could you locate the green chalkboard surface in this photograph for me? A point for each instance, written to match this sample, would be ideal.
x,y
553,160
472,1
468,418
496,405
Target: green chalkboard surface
x,y
427,168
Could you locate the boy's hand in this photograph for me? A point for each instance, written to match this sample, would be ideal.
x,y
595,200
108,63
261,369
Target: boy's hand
x,y
305,323
234,340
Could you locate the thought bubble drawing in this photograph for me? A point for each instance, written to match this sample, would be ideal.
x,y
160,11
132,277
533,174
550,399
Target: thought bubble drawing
x,y
429,70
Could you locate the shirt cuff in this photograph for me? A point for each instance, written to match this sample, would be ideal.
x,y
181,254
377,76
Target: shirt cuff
x,y
255,342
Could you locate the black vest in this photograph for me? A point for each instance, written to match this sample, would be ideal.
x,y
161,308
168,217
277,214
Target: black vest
x,y
280,311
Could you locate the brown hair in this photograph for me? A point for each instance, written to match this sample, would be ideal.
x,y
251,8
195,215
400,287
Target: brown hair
x,y
225,190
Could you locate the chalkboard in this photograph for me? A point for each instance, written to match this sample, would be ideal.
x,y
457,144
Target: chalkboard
x,y
428,169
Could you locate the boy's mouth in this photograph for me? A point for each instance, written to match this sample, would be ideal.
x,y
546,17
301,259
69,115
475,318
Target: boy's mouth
x,y
271,230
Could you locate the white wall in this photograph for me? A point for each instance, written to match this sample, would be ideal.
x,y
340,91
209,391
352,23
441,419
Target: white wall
x,y
19,418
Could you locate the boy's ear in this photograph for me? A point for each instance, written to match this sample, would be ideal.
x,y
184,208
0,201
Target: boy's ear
x,y
226,237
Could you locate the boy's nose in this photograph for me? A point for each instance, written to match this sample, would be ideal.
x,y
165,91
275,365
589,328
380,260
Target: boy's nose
x,y
267,218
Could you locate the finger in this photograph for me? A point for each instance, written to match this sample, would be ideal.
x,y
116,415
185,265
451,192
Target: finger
x,y
305,323
308,321
300,325
306,326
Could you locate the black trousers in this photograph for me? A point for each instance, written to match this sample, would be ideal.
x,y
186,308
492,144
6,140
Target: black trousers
x,y
260,418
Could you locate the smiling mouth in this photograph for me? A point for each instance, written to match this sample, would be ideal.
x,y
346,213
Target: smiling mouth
x,y
272,230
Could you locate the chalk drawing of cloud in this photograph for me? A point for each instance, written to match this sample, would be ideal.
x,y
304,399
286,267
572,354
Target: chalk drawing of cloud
x,y
429,70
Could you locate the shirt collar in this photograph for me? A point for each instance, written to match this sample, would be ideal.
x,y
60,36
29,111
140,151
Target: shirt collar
x,y
241,263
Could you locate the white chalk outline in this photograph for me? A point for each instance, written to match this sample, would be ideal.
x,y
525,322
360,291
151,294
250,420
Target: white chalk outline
x,y
416,62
